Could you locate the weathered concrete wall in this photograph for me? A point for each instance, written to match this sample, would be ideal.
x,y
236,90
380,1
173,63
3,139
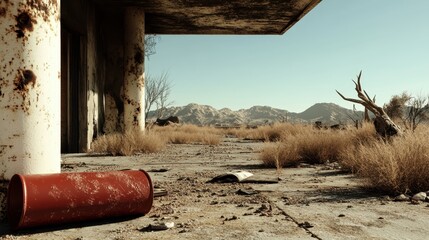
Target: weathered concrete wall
x,y
85,19
95,77
114,43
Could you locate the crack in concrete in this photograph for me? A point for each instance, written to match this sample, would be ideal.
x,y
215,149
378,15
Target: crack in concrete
x,y
298,224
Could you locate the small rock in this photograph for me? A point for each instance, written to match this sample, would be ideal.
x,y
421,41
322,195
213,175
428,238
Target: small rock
x,y
421,196
386,198
231,218
246,192
402,198
305,225
341,215
158,227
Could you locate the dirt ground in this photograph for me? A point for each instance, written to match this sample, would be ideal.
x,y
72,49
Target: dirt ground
x,y
308,202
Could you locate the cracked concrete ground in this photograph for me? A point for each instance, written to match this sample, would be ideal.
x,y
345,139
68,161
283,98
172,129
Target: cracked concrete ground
x,y
309,202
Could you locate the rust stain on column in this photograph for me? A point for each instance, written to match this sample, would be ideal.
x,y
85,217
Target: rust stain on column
x,y
29,87
24,79
134,69
24,22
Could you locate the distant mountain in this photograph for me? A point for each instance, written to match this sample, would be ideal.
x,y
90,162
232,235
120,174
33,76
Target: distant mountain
x,y
328,113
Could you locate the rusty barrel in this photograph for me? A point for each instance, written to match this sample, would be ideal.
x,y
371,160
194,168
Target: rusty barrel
x,y
51,199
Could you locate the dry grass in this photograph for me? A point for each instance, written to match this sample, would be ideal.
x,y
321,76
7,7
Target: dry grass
x,y
183,134
127,144
315,146
268,133
154,140
299,143
400,165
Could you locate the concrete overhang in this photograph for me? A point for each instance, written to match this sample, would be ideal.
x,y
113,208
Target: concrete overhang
x,y
219,16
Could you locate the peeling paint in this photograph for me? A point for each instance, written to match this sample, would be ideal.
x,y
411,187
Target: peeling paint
x,y
24,22
43,8
2,12
24,78
138,56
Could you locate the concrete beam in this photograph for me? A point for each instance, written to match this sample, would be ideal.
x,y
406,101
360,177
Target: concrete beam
x,y
30,74
217,16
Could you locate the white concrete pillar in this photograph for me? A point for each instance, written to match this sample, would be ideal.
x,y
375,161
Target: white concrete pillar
x,y
134,21
30,57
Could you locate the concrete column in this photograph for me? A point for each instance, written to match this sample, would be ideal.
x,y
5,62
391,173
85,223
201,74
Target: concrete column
x,y
30,57
134,69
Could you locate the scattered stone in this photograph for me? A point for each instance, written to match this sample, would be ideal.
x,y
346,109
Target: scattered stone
x,y
421,196
158,170
159,192
402,198
261,230
263,209
349,206
242,205
246,192
415,202
231,218
386,198
305,225
341,215
158,227
381,218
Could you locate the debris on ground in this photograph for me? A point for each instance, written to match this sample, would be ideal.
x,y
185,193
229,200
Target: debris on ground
x,y
230,177
158,227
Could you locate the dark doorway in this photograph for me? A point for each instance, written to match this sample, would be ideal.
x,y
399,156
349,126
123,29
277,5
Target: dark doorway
x,y
70,62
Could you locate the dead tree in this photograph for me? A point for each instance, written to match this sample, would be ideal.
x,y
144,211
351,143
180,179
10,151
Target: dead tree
x,y
384,126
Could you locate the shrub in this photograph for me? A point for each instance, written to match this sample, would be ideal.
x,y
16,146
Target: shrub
x,y
127,144
397,166
190,134
311,146
268,133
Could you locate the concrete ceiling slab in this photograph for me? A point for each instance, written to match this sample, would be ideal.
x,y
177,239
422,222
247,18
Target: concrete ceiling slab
x,y
219,16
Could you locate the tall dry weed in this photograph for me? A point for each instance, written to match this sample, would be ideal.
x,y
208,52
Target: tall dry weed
x,y
129,143
188,133
302,143
399,165
268,133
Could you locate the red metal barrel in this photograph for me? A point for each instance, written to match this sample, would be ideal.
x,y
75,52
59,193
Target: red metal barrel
x,y
48,199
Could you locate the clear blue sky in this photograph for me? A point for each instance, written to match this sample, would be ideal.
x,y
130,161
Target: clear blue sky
x,y
387,39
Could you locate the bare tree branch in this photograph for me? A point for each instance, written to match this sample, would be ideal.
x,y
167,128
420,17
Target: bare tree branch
x,y
157,92
383,124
